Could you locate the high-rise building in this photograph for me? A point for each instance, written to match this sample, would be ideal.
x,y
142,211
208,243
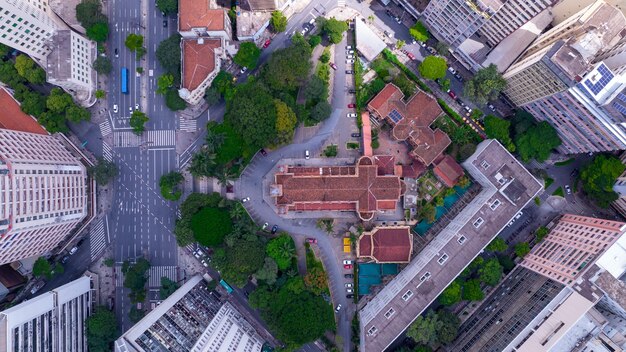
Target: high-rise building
x,y
192,319
53,321
31,27
562,79
43,190
505,187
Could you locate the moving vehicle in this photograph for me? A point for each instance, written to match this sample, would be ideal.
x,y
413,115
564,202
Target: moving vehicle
x,y
333,65
225,285
115,108
243,70
130,108
347,261
274,229
568,189
311,240
165,23
347,266
307,154
116,53
338,308
245,199
137,106
352,114
124,80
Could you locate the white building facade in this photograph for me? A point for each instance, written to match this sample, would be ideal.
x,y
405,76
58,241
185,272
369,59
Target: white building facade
x,y
43,194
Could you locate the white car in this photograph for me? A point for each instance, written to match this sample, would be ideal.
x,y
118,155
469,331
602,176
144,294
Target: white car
x,y
245,199
349,47
348,285
307,154
130,108
115,108
347,262
568,189
350,52
303,32
350,61
243,70
73,250
338,308
137,106
352,114
265,226
349,56
349,290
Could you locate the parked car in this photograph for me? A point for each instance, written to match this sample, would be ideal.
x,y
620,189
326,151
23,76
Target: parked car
x,y
349,290
349,72
348,285
333,65
116,53
73,250
204,263
348,47
356,135
311,240
37,287
347,261
245,199
303,32
491,107
115,108
452,95
349,61
274,229
130,108
137,106
338,308
263,152
65,259
452,70
411,56
347,266
568,189
267,43
351,105
265,226
243,70
352,114
350,295
351,91
165,23
350,51
348,276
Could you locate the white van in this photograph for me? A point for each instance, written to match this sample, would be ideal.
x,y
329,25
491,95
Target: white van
x,y
307,155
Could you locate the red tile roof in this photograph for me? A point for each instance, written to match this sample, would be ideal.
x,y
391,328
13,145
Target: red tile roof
x,y
367,134
417,114
337,188
198,14
386,244
12,117
414,170
385,164
448,170
198,61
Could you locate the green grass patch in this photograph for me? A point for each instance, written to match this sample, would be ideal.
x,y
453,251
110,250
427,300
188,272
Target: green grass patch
x,y
211,225
559,192
330,151
537,201
389,56
352,145
565,162
311,259
547,182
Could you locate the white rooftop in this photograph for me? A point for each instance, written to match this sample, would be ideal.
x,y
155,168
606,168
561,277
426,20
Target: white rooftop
x,y
368,43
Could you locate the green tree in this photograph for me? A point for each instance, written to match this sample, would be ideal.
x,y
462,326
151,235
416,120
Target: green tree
x,y
419,32
34,104
427,212
9,75
325,57
288,68
52,121
316,280
499,129
135,279
223,83
433,67
425,328
167,287
137,121
285,122
135,314
102,65
486,84
168,53
89,12
164,83
599,177
202,163
58,101
268,272
169,185
42,268
100,94
253,106
167,6
451,295
442,48
541,233
472,290
449,328
247,55
321,111
210,226
333,28
104,171
444,83
315,40
521,249
212,96
316,90
507,263
497,245
134,41
101,330
98,32
244,258
491,272
77,114
28,69
537,142
278,21
282,250
4,50
400,44
173,101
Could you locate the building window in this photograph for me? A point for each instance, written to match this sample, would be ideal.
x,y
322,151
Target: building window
x,y
461,239
496,203
442,259
485,165
389,313
407,295
425,276
478,222
372,330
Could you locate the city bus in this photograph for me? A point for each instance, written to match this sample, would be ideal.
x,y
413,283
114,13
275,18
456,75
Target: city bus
x,y
124,80
226,286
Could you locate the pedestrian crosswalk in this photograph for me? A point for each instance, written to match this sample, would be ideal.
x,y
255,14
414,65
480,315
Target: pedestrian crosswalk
x,y
186,125
341,3
105,128
374,121
157,272
107,152
119,276
97,238
159,138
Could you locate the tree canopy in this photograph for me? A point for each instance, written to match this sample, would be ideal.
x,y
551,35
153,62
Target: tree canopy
x,y
268,271
497,245
102,65
333,28
89,13
210,226
419,32
169,185
164,83
434,328
472,290
451,295
98,32
247,55
253,108
521,249
282,250
278,21
137,121
173,101
104,171
167,287
101,330
28,69
433,67
486,84
134,41
491,272
599,177
499,129
244,258
135,278
288,68
167,6
537,142
42,268
58,101
168,53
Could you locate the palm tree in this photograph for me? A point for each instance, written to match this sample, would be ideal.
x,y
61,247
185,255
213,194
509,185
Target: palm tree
x,y
287,250
213,140
237,212
202,163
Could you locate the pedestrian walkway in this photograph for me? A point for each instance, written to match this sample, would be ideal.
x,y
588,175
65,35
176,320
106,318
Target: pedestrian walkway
x,y
98,238
157,272
105,128
119,276
341,3
107,152
125,139
151,139
374,121
186,125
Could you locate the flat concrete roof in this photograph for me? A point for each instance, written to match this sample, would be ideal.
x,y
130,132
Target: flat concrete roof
x,y
447,255
367,42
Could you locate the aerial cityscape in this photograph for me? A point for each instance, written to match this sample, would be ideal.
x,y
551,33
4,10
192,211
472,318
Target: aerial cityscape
x,y
312,175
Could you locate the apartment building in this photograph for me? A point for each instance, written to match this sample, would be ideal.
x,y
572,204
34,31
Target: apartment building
x,y
31,27
43,187
53,321
506,188
192,319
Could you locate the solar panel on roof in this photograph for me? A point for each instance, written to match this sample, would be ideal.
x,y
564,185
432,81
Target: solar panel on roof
x,y
619,108
395,116
606,77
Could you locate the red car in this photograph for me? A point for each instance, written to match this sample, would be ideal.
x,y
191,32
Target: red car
x,y
352,106
411,56
333,66
311,240
452,95
347,266
267,43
